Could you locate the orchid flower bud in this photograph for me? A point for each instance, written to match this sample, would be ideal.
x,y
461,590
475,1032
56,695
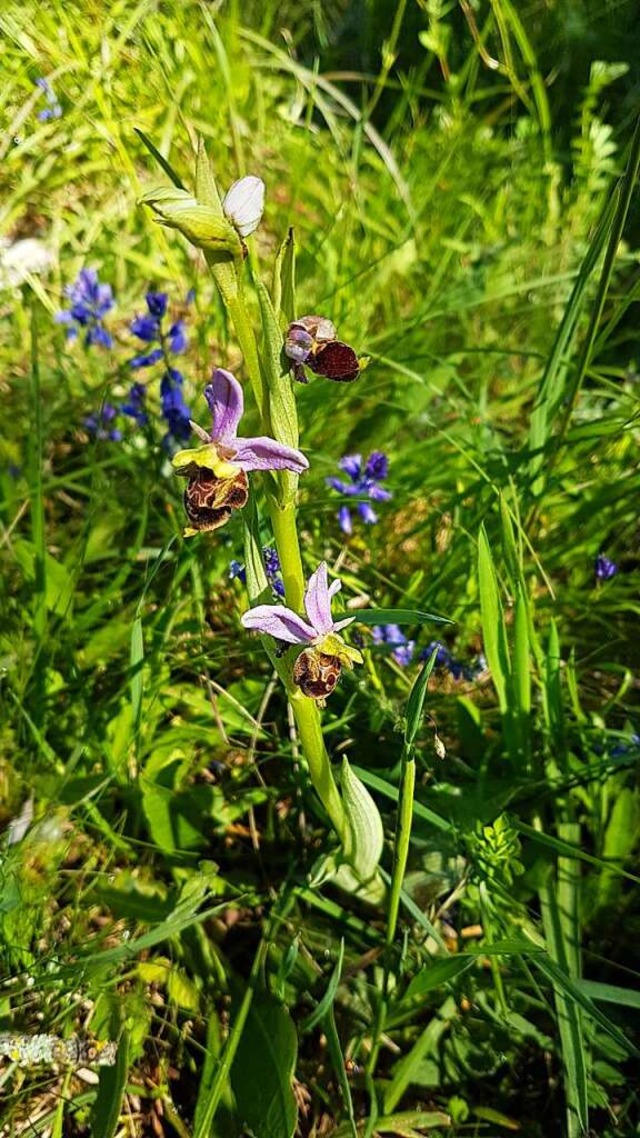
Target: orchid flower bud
x,y
244,203
200,224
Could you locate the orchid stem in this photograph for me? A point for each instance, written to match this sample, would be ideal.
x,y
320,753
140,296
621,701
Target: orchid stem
x,y
283,521
307,719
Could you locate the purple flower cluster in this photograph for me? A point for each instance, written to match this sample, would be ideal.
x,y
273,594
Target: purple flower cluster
x,y
392,635
161,343
90,302
604,568
364,484
271,560
101,424
445,660
53,110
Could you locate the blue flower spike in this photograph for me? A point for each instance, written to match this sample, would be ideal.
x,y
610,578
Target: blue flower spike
x,y
364,484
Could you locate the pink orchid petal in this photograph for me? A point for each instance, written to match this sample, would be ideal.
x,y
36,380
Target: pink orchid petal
x,y
226,403
317,600
266,454
280,622
334,588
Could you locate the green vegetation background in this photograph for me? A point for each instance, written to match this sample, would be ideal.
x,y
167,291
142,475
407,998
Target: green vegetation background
x,y
447,170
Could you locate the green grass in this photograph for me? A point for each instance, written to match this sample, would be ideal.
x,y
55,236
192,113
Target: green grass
x,y
168,890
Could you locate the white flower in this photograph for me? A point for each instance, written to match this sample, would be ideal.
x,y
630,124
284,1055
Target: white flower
x,y
24,257
244,203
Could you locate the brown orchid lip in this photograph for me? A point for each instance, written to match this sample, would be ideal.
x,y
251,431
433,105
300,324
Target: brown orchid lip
x,y
210,501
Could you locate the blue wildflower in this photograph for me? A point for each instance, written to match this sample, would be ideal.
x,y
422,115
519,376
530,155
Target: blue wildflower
x,y
90,302
53,110
174,408
271,560
364,484
135,407
98,424
622,749
393,635
605,568
149,328
455,667
237,572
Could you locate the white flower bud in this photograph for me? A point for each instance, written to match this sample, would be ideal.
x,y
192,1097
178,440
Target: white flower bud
x,y
244,203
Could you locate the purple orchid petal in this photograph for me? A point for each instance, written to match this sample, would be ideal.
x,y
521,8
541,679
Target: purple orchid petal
x,y
280,622
317,600
226,403
263,453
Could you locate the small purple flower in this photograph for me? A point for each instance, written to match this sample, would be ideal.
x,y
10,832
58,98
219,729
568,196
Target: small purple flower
x,y
90,302
177,338
98,424
443,655
53,110
272,568
605,568
148,328
174,409
393,635
456,669
135,407
364,484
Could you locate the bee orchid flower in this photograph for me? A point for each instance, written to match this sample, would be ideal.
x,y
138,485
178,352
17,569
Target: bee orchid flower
x,y
217,471
318,667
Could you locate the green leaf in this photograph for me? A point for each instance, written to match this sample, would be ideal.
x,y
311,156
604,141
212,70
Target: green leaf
x,y
415,702
365,838
160,159
398,616
284,281
136,660
406,1071
325,1003
206,188
578,993
610,993
263,1068
493,625
107,1105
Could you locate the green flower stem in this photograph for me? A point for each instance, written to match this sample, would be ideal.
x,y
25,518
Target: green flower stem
x,y
283,521
225,275
286,537
403,836
307,719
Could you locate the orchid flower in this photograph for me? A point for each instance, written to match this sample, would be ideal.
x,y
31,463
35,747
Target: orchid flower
x,y
325,650
224,452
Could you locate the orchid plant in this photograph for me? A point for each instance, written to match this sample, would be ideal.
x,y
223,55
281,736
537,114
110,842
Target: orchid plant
x,y
302,637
